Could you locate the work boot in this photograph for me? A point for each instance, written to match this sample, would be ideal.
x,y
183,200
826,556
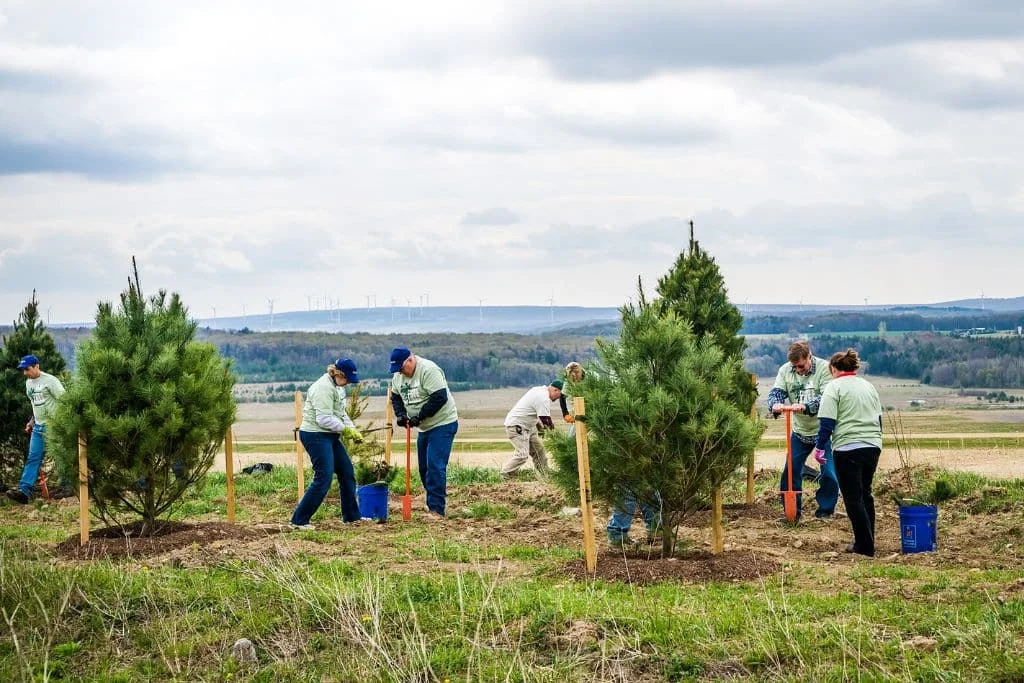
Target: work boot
x,y
17,496
624,542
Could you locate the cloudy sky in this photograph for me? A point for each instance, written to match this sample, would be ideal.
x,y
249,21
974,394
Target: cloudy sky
x,y
827,152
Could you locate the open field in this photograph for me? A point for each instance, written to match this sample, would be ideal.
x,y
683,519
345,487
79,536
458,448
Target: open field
x,y
496,592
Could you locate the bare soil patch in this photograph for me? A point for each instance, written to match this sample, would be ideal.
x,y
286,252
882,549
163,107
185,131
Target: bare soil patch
x,y
638,567
125,542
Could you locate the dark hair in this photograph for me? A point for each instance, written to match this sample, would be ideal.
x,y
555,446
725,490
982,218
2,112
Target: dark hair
x,y
798,351
845,361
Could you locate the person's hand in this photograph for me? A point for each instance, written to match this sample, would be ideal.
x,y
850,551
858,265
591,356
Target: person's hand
x,y
403,421
569,419
819,456
28,427
798,408
353,434
777,408
414,421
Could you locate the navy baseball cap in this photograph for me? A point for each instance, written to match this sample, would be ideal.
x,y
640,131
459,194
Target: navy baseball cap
x,y
27,362
399,356
347,367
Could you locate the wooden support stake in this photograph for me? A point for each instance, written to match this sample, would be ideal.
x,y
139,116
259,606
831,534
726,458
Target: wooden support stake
x,y
83,488
717,537
750,460
229,472
300,464
586,500
389,424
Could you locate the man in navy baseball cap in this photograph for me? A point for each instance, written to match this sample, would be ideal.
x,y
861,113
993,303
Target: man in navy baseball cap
x,y
398,358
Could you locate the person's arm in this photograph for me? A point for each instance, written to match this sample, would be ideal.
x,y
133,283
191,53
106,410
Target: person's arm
x,y
826,425
430,407
545,420
343,415
398,405
563,405
56,388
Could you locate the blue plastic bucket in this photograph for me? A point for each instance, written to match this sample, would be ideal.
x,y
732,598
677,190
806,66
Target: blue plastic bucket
x,y
919,528
373,502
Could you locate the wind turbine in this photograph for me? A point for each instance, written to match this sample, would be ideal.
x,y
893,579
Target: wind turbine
x,y
48,316
214,309
270,305
551,302
408,307
393,301
245,320
482,308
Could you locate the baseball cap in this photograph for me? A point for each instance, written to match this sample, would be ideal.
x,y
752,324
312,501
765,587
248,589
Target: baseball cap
x,y
557,384
27,362
399,356
347,367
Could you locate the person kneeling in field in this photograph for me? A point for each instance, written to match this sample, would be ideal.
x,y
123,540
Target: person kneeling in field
x,y
324,420
523,424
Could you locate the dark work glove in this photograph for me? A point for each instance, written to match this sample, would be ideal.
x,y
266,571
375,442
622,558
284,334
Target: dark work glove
x,y
403,421
414,421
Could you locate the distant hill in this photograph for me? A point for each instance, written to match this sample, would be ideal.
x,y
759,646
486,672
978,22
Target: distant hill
x,y
1004,305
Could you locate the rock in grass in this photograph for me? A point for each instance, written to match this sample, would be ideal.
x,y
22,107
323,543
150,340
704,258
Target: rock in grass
x,y
921,643
244,651
570,512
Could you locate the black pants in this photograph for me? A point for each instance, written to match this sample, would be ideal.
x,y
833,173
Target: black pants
x,y
856,470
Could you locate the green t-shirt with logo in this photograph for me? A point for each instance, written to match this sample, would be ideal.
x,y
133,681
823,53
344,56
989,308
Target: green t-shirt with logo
x,y
43,392
426,379
802,389
853,403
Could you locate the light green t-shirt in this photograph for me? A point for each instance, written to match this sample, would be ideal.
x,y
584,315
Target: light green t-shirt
x,y
324,398
804,388
42,394
415,390
853,403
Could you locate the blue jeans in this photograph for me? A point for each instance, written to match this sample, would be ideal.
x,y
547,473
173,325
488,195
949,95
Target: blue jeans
x,y
828,483
622,518
36,451
433,448
328,456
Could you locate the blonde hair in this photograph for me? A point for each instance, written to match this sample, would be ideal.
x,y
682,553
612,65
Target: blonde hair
x,y
574,371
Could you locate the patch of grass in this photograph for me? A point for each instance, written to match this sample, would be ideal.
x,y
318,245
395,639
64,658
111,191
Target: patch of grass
x,y
486,509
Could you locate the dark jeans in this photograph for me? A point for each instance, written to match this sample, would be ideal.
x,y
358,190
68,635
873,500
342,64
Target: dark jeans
x,y
433,448
827,494
856,470
329,457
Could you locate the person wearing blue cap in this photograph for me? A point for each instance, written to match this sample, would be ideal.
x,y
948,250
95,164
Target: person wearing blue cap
x,y
324,420
420,397
43,390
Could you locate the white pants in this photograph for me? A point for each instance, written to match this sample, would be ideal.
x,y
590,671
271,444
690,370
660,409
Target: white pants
x,y
527,443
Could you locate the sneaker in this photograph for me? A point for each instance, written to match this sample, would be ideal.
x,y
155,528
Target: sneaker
x,y
302,527
824,514
17,496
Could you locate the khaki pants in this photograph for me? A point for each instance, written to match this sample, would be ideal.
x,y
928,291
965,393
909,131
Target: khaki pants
x,y
527,443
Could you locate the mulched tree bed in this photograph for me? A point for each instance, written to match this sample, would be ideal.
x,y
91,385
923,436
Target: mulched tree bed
x,y
124,542
697,567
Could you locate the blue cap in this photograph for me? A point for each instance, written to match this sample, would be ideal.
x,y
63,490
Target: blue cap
x,y
399,356
27,362
347,367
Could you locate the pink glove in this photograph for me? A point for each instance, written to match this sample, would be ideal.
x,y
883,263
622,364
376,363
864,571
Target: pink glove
x,y
819,455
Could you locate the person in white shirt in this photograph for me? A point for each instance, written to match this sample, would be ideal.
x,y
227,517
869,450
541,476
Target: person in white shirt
x,y
523,424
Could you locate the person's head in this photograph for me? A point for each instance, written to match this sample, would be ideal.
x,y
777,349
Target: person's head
x,y
844,361
574,371
403,361
29,366
343,371
799,356
555,389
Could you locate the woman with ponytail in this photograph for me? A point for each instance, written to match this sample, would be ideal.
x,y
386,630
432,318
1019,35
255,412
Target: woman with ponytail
x,y
851,415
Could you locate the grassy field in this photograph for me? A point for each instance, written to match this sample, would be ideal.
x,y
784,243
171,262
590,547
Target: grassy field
x,y
485,595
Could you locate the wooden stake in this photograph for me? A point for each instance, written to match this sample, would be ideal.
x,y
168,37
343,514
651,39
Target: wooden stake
x,y
83,488
300,464
717,537
389,423
750,460
229,472
586,500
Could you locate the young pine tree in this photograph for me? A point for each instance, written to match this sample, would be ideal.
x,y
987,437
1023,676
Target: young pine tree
x,y
153,403
663,425
695,291
29,336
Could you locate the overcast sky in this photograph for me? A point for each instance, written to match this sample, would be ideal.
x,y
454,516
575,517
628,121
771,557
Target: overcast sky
x,y
828,152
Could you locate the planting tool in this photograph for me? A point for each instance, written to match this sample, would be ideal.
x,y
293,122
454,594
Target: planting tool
x,y
789,498
407,498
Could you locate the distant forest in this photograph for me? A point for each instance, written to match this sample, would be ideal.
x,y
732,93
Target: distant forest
x,y
907,349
